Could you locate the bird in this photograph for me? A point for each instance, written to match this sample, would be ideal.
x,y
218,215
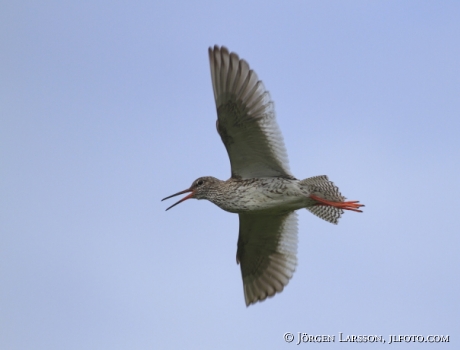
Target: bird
x,y
261,189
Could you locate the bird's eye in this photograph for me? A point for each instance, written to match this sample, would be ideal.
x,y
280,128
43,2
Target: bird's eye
x,y
199,183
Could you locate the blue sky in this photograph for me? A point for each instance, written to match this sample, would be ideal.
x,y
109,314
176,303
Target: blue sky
x,y
107,107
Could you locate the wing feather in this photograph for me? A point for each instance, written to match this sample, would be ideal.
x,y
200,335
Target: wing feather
x,y
267,248
246,118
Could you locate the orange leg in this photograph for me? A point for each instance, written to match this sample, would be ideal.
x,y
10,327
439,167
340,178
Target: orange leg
x,y
350,205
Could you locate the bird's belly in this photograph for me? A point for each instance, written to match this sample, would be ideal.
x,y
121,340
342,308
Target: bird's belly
x,y
265,201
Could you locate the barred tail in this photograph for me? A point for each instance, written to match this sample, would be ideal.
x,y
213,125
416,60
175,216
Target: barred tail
x,y
322,187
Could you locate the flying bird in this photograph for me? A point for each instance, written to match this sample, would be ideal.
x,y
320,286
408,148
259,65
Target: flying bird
x,y
261,189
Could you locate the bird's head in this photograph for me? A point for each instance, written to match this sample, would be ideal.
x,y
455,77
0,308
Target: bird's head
x,y
200,189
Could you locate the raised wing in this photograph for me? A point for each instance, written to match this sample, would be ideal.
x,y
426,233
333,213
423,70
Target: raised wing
x,y
267,247
246,119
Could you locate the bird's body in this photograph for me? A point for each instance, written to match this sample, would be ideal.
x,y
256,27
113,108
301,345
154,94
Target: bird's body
x,y
259,195
267,195
261,190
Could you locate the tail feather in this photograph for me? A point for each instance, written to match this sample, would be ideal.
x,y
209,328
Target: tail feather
x,y
322,187
330,214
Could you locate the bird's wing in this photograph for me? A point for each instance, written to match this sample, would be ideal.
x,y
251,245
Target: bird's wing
x,y
246,119
267,247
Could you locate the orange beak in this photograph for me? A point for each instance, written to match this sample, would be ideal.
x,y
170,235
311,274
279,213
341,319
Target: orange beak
x,y
183,199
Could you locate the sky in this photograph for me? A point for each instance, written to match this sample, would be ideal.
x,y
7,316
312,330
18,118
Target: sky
x,y
106,107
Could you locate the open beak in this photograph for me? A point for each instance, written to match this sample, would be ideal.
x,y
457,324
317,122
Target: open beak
x,y
183,199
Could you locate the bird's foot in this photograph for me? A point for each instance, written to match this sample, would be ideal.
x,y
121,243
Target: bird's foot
x,y
349,205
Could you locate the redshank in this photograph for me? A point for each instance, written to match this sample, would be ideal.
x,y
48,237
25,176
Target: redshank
x,y
261,189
